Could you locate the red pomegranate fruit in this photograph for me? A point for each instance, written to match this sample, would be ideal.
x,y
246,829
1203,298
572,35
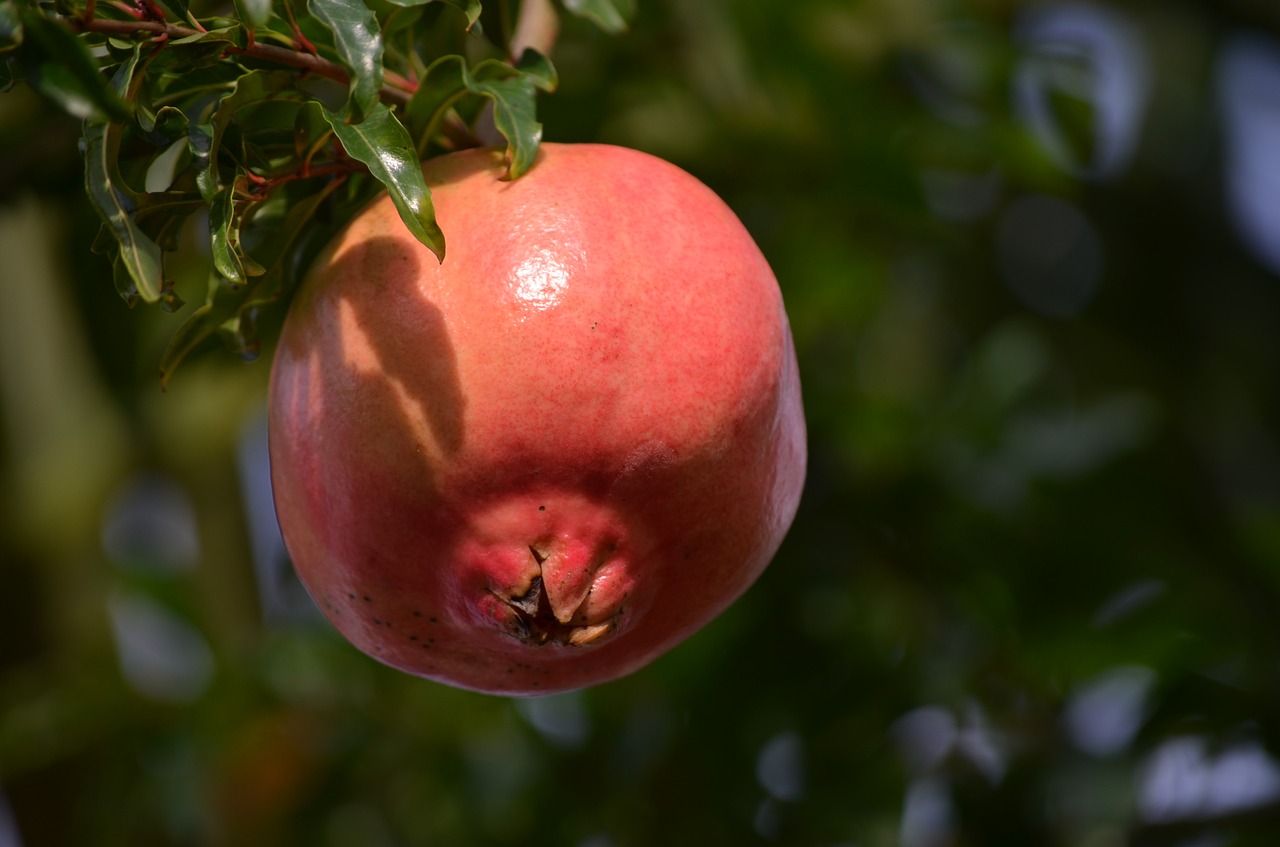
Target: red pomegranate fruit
x,y
545,461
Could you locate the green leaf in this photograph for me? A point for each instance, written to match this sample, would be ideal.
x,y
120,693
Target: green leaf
x,y
255,13
311,131
223,301
240,333
169,123
200,143
165,167
359,43
383,144
139,255
202,83
610,15
224,236
10,27
399,20
60,66
250,90
470,8
513,91
539,70
201,50
226,301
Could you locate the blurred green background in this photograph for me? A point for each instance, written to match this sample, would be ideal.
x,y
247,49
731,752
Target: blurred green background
x,y
1031,254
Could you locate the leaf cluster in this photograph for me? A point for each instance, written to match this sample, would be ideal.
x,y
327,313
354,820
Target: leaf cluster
x,y
274,120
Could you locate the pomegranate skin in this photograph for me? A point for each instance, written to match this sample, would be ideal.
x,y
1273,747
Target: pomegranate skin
x,y
545,461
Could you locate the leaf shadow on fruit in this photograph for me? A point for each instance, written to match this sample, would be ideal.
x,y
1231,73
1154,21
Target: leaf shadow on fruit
x,y
407,335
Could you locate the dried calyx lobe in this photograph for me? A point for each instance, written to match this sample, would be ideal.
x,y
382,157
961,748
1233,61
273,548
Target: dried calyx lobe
x,y
535,622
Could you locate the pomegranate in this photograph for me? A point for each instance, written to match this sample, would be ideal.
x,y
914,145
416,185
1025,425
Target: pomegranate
x,y
545,461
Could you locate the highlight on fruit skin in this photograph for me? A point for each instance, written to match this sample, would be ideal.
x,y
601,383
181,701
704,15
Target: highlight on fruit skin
x,y
546,461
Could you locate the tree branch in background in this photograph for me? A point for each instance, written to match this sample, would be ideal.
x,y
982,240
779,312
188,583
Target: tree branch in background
x,y
536,27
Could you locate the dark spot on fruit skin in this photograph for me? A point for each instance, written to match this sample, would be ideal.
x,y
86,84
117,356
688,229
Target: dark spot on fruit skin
x,y
417,614
351,594
434,619
368,599
413,638
542,508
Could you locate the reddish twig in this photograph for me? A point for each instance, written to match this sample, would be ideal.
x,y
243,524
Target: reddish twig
x,y
396,90
299,39
152,11
263,185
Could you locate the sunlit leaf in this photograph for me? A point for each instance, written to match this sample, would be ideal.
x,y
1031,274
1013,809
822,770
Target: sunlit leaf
x,y
513,91
382,143
359,43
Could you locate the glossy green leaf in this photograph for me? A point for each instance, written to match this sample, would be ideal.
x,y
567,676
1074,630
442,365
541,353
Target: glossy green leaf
x,y
60,66
512,90
200,143
383,144
610,15
359,44
224,237
139,255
